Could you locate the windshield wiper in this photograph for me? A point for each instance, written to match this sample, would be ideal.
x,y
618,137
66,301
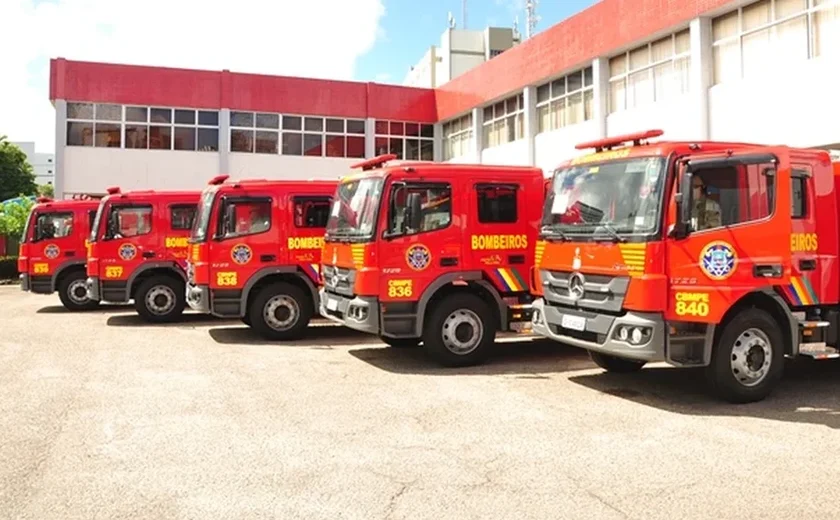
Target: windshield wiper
x,y
613,233
552,232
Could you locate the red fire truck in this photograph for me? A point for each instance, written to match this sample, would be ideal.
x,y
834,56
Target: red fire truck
x,y
433,253
52,250
255,251
699,254
138,251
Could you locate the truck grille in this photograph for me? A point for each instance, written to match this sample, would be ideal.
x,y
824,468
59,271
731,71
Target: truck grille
x,y
339,280
598,292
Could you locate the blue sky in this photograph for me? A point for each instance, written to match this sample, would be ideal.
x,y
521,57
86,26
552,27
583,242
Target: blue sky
x,y
411,26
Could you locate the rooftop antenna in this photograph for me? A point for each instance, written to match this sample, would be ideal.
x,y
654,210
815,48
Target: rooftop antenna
x,y
464,13
516,35
451,21
531,17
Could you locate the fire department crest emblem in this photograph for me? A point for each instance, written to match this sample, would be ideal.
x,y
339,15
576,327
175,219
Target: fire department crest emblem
x,y
718,260
241,254
127,251
52,251
418,257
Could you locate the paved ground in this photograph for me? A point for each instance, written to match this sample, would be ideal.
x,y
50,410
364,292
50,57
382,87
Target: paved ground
x,y
103,417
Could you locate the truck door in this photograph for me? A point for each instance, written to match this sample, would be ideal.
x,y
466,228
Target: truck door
x,y
244,238
806,268
738,241
128,229
177,219
412,258
53,241
305,236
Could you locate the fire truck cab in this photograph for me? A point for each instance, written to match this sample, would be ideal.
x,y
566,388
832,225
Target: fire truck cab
x,y
255,250
52,250
138,251
433,253
699,254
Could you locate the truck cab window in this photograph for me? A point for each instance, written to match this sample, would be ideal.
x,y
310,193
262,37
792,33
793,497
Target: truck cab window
x,y
312,212
49,226
435,204
241,217
91,220
732,195
798,195
129,221
182,216
497,204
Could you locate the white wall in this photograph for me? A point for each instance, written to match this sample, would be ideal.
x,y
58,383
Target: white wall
x,y
462,63
92,170
552,148
796,108
508,154
264,166
469,158
677,117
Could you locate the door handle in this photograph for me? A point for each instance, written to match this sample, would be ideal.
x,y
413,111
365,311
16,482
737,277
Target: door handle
x,y
448,261
516,259
268,258
808,264
69,253
148,254
767,271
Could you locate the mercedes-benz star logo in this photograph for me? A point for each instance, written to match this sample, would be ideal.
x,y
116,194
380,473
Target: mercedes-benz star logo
x,y
576,289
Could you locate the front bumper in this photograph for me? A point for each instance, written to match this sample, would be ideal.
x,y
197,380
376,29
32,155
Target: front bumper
x,y
359,313
25,284
92,285
599,332
198,298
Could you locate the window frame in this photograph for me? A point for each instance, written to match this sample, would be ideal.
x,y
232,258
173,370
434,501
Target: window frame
x,y
297,127
220,217
463,134
518,115
299,199
416,185
182,205
801,174
53,214
495,186
116,206
584,90
390,135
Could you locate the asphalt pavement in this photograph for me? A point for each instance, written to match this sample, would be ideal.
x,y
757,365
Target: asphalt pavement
x,y
103,416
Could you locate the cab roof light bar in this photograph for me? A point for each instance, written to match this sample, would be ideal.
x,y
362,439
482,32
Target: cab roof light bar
x,y
611,142
218,179
376,162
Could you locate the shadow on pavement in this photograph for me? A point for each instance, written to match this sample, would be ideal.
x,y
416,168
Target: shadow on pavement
x,y
60,309
323,336
807,393
527,358
187,319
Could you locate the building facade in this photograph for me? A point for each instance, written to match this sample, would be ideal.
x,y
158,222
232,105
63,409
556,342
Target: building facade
x,y
460,50
701,69
43,164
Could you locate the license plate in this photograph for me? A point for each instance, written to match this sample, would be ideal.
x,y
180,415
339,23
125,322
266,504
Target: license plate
x,y
573,322
332,305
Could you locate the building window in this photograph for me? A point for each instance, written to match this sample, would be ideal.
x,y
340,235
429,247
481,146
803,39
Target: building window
x,y
138,127
651,73
406,140
565,101
504,122
759,38
313,136
457,137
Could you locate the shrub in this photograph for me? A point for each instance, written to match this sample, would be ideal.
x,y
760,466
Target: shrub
x,y
8,268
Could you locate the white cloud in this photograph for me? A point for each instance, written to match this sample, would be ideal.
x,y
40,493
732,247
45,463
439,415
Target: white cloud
x,y
316,38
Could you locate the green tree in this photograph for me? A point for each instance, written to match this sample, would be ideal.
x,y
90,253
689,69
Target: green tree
x,y
16,175
13,218
46,190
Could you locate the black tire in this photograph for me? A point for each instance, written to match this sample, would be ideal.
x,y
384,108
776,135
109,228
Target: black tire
x,y
246,319
69,292
168,299
616,364
293,296
436,329
720,374
401,342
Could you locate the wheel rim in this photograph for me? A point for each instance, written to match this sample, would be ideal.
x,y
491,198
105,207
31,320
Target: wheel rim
x,y
160,300
281,312
751,357
462,332
77,292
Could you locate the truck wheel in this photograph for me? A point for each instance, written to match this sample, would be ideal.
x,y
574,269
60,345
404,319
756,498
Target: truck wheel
x,y
280,311
748,358
615,364
160,299
246,319
401,342
73,293
460,331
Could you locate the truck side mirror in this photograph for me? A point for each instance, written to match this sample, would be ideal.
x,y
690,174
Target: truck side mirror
x,y
683,201
413,212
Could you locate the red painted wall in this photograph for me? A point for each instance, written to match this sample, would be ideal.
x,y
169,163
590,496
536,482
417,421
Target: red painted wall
x,y
574,42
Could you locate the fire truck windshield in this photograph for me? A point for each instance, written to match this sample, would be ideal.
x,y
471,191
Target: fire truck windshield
x,y
202,219
353,215
605,200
